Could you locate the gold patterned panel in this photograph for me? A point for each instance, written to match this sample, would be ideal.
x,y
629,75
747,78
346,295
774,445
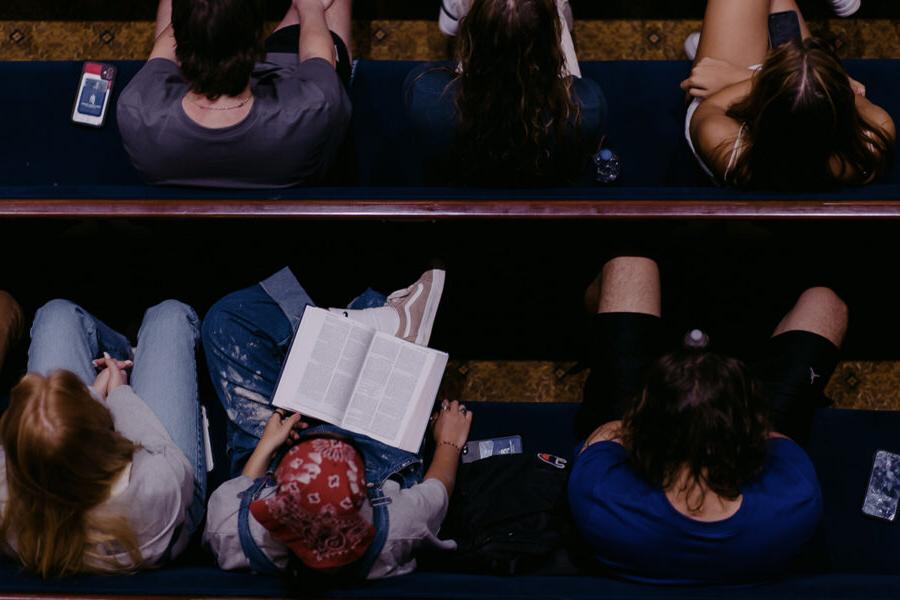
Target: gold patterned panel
x,y
855,384
421,40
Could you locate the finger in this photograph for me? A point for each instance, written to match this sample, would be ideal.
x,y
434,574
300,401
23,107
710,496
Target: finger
x,y
469,417
685,85
454,406
293,420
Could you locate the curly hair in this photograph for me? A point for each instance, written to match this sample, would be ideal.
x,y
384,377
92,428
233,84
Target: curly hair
x,y
702,412
800,116
517,119
218,42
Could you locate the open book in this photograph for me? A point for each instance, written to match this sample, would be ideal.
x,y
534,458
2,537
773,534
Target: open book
x,y
363,380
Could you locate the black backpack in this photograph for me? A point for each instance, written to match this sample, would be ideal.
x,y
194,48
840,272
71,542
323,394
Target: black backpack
x,y
509,515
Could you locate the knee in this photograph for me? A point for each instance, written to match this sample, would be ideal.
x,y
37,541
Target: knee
x,y
57,314
825,302
172,314
216,332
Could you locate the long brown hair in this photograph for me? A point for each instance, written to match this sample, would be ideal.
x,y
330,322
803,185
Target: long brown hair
x,y
62,457
702,412
518,121
799,117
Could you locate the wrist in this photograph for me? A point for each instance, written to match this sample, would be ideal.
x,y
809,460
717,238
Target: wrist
x,y
449,445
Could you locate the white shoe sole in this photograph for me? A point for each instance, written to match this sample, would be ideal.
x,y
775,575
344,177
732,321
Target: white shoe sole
x,y
847,9
431,306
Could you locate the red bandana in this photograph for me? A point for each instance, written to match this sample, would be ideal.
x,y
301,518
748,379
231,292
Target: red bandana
x,y
315,508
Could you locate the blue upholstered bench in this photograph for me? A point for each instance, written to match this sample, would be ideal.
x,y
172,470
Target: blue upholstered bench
x,y
853,555
44,157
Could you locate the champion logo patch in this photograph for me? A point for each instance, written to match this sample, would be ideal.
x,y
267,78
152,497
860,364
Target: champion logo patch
x,y
552,460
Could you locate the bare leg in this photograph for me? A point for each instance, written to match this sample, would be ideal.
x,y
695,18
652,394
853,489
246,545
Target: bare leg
x,y
818,310
11,324
339,18
291,17
626,284
735,31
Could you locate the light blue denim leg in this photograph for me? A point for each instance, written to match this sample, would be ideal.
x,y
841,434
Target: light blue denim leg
x,y
165,377
65,336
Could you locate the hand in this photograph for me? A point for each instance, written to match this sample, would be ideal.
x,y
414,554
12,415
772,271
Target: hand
x,y
858,88
112,374
711,75
452,424
280,429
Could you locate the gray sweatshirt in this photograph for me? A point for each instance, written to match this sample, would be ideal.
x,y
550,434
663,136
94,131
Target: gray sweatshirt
x,y
160,488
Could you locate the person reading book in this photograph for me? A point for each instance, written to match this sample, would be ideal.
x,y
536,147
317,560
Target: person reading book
x,y
386,511
96,475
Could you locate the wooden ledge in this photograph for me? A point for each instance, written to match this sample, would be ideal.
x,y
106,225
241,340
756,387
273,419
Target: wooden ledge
x,y
454,209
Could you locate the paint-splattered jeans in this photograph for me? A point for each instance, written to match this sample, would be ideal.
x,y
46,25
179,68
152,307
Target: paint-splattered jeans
x,y
246,337
65,336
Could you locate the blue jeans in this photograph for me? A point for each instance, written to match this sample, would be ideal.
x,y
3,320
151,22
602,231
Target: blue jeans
x,y
65,336
246,337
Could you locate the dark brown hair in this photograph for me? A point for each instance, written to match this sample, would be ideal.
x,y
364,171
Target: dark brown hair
x,y
801,115
703,412
218,43
518,122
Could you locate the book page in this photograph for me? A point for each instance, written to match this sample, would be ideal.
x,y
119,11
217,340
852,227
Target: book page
x,y
394,391
325,359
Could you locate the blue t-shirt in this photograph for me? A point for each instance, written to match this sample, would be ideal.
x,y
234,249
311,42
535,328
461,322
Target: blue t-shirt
x,y
634,530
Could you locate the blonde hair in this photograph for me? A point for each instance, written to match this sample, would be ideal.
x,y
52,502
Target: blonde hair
x,y
62,457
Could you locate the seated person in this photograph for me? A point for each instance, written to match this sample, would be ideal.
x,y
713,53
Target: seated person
x,y
269,524
217,106
109,478
12,325
789,118
515,111
686,453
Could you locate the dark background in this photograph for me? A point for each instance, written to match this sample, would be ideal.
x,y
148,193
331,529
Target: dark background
x,y
410,9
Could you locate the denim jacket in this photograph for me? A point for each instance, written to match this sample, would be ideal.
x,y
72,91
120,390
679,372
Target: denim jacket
x,y
382,462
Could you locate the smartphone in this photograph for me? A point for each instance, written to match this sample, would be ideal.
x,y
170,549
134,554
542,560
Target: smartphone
x,y
783,28
478,449
94,92
883,494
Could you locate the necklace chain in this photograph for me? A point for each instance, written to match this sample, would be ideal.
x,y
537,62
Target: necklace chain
x,y
234,107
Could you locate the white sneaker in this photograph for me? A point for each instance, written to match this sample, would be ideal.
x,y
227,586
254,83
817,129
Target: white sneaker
x,y
691,44
417,306
845,8
452,12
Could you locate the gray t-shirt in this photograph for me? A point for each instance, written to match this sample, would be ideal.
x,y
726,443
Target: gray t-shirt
x,y
297,123
159,491
414,514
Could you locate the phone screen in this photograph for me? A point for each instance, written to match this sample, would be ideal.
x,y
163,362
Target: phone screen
x,y
783,28
94,90
883,494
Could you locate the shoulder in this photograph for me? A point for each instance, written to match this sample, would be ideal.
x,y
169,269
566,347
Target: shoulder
x,y
714,134
608,432
417,510
309,85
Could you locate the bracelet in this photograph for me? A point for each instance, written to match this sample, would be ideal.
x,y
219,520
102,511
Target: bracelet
x,y
458,449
